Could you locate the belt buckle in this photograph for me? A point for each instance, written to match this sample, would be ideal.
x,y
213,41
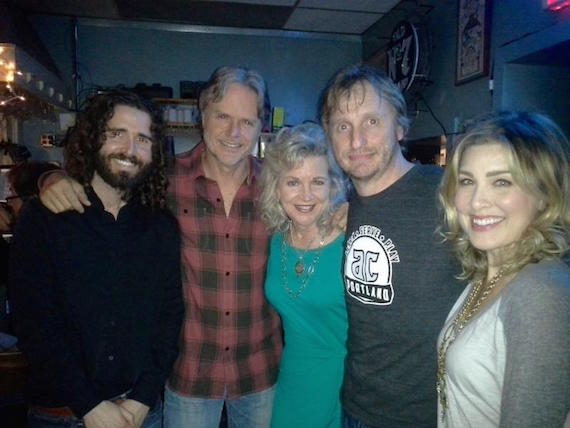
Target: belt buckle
x,y
118,399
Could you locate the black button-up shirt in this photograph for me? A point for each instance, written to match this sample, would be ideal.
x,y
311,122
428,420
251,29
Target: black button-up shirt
x,y
97,302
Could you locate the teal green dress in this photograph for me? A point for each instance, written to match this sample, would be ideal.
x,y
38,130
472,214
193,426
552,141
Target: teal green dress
x,y
315,324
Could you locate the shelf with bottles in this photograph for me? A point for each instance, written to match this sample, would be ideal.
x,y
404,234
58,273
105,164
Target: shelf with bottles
x,y
180,114
265,138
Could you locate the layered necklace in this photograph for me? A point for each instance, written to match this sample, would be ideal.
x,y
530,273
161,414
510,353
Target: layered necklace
x,y
470,307
302,272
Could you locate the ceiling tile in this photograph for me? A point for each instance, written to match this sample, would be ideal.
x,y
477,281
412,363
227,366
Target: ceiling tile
x,y
330,21
380,6
329,16
223,14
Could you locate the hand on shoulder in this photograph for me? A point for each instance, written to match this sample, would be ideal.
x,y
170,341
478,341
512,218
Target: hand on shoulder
x,y
340,217
5,220
60,193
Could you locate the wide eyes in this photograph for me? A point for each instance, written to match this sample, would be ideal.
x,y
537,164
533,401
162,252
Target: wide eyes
x,y
369,122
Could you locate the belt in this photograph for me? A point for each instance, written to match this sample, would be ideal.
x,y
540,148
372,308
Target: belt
x,y
66,412
56,412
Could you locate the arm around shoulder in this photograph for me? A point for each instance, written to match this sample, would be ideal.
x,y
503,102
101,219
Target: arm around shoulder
x,y
60,193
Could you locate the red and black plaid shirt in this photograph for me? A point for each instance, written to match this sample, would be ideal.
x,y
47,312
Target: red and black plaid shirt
x,y
231,337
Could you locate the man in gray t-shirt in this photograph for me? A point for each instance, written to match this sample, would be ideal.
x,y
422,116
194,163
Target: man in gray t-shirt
x,y
399,278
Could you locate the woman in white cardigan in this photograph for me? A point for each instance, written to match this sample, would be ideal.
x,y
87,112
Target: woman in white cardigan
x,y
503,353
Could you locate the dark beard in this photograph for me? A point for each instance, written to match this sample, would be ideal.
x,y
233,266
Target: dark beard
x,y
122,181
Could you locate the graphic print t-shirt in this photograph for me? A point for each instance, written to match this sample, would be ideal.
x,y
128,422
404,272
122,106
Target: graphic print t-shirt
x,y
399,286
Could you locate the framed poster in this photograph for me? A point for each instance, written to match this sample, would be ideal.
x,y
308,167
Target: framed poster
x,y
473,34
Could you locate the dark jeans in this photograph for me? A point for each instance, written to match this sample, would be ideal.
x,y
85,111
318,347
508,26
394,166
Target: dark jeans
x,y
349,422
35,420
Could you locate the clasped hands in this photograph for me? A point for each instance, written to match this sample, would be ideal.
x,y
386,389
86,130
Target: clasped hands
x,y
107,414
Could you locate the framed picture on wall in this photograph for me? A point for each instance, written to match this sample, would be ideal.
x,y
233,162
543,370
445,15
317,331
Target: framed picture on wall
x,y
473,37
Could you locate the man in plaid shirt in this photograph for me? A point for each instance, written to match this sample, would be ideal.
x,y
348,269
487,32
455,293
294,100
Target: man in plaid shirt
x,y
231,338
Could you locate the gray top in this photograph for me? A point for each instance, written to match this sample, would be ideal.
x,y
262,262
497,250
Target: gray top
x,y
509,367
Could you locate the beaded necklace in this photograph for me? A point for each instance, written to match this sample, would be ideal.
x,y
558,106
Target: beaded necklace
x,y
300,264
469,309
304,275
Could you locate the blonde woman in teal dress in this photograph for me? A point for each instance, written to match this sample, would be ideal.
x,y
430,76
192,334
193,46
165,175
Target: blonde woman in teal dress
x,y
302,187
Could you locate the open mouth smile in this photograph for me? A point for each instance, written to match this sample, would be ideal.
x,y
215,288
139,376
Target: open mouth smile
x,y
480,222
304,208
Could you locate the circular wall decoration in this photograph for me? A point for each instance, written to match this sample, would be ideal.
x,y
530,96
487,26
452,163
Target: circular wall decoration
x,y
403,55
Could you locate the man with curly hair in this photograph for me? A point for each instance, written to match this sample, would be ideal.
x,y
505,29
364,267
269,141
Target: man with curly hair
x,y
97,296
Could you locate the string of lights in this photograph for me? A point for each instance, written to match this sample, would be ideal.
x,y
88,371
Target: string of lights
x,y
8,72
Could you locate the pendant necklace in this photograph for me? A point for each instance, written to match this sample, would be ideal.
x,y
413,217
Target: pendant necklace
x,y
300,264
469,309
301,272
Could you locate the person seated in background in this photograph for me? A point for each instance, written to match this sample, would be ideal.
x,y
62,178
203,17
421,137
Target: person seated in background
x,y
97,296
302,187
22,179
504,350
5,219
7,338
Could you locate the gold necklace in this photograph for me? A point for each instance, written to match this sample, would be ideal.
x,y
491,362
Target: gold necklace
x,y
305,275
469,309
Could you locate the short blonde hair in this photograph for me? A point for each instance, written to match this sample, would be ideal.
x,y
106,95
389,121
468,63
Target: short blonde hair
x,y
290,148
540,163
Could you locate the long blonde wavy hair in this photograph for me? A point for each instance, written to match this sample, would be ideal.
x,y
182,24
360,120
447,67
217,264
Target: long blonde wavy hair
x,y
540,164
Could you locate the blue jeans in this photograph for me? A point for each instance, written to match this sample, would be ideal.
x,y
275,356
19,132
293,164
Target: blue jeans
x,y
36,420
349,422
249,411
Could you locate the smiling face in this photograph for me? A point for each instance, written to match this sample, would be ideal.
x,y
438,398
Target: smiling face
x,y
231,127
124,159
304,192
493,210
364,135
